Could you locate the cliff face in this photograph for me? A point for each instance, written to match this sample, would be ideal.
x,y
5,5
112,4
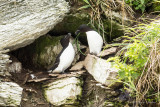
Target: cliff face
x,y
23,21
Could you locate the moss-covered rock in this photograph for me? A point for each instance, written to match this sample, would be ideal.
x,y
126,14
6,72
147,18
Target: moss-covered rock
x,y
112,30
65,91
43,52
40,54
71,23
46,50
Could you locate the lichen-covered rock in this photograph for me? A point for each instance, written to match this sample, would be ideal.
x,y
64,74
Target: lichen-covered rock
x,y
101,70
23,21
10,94
66,91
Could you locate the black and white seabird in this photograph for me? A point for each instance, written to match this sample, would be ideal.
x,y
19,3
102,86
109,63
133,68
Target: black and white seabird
x,y
65,57
94,39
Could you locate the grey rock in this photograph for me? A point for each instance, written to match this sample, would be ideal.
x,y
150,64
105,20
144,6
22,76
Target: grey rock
x,y
23,21
15,67
4,61
78,66
64,91
10,94
109,51
101,70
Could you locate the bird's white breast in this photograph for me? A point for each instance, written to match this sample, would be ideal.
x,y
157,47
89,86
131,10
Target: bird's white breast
x,y
66,58
95,42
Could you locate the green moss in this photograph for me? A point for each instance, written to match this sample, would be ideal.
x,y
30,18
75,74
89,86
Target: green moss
x,y
38,50
70,23
40,47
156,7
112,30
45,41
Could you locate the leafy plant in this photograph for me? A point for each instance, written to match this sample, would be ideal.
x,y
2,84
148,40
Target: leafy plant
x,y
138,4
139,62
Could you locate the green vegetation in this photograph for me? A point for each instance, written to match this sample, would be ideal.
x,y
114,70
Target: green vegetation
x,y
156,6
139,61
138,4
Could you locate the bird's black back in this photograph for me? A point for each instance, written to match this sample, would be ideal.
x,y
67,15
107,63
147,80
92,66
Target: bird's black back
x,y
84,28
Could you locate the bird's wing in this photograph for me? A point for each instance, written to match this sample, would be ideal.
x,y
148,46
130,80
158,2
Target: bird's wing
x,y
54,66
57,61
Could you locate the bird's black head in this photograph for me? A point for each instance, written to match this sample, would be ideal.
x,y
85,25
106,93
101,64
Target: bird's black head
x,y
83,28
65,41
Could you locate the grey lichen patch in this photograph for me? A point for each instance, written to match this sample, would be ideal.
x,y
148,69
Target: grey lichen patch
x,y
63,91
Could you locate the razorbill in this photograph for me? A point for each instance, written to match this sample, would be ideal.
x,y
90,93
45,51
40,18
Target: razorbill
x,y
65,57
95,40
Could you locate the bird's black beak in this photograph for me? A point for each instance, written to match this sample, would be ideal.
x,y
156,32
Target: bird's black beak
x,y
77,32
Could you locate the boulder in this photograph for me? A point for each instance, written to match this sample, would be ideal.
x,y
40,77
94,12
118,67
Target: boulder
x,y
65,91
15,66
101,70
23,21
10,94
